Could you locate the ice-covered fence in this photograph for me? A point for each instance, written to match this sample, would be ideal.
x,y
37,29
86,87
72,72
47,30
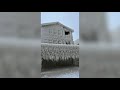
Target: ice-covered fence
x,y
20,58
59,52
56,51
99,60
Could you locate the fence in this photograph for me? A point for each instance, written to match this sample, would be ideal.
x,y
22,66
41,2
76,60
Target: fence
x,y
59,54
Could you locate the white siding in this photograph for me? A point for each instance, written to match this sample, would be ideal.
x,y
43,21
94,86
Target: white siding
x,y
55,34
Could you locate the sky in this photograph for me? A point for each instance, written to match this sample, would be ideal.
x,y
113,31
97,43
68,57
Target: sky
x,y
113,20
70,19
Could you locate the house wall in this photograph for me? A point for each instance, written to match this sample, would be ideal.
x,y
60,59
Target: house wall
x,y
55,34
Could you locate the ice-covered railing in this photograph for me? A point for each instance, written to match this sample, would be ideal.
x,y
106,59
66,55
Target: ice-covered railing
x,y
59,51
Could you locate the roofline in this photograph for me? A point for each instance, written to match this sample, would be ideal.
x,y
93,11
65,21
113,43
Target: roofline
x,y
53,23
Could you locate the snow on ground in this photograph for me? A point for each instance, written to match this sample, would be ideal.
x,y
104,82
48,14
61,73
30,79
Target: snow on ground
x,y
70,72
69,75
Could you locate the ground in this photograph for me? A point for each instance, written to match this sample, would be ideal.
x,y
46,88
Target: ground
x,y
68,72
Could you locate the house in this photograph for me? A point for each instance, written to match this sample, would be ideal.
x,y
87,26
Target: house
x,y
56,33
76,42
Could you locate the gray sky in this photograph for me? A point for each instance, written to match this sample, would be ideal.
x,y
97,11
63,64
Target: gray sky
x,y
70,19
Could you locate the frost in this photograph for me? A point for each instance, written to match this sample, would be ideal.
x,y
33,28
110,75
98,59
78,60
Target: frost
x,y
59,51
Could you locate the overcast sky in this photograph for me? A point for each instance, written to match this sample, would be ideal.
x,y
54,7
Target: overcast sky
x,y
113,19
71,19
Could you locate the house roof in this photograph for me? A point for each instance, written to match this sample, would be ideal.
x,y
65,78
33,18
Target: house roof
x,y
53,23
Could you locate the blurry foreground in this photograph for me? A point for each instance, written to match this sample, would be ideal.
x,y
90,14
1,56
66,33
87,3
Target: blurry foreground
x,y
19,58
20,45
99,60
99,49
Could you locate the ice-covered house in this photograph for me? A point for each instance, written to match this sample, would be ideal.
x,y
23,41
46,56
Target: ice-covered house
x,y
56,33
76,42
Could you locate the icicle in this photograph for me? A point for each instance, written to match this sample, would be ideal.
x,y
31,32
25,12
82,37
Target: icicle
x,y
59,51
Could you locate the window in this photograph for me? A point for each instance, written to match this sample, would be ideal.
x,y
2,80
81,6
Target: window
x,y
68,42
67,32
